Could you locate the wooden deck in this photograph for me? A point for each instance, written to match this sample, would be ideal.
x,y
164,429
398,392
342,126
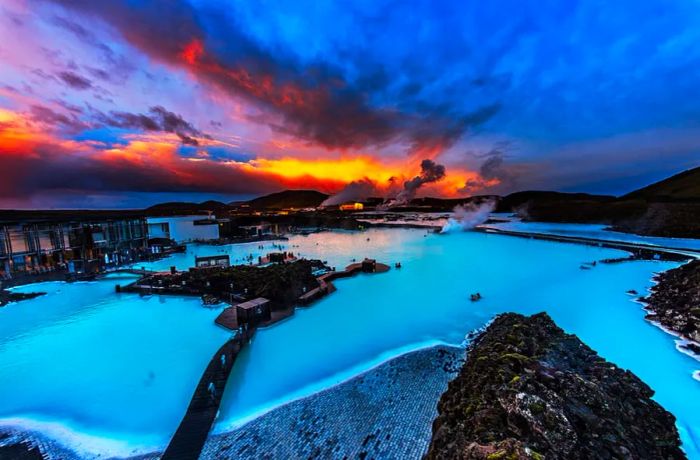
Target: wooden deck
x,y
188,440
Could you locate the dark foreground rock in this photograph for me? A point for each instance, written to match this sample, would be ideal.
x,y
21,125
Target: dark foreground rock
x,y
18,450
529,390
9,296
675,302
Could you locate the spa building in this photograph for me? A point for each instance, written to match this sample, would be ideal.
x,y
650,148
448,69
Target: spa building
x,y
80,243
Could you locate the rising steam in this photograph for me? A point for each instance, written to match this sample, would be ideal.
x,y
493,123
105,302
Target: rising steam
x,y
468,216
358,190
430,172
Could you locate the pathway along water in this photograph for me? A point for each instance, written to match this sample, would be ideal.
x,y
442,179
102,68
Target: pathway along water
x,y
425,302
188,440
192,433
642,250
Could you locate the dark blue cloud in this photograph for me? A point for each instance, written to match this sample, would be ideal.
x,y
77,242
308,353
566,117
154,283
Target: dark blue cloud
x,y
578,88
559,70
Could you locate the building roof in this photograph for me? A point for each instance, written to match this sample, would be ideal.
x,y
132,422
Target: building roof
x,y
9,216
186,218
215,257
253,303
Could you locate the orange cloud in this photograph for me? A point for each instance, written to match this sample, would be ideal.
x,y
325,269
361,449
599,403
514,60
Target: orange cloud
x,y
20,136
341,170
41,160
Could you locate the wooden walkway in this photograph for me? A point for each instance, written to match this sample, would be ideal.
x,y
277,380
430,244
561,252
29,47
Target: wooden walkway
x,y
638,249
191,435
133,271
188,440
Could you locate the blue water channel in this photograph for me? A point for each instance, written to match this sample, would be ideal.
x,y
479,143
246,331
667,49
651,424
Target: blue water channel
x,y
109,373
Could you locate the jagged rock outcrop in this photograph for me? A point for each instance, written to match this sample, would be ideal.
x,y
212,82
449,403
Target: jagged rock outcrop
x,y
530,391
675,302
9,296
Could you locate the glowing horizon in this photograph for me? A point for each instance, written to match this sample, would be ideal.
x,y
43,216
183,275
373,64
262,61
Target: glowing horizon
x,y
108,102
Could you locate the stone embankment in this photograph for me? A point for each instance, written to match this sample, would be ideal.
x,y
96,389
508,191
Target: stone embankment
x,y
530,391
383,413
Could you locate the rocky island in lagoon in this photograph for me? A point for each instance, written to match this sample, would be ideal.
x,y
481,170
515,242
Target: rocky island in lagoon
x,y
528,390
333,347
349,230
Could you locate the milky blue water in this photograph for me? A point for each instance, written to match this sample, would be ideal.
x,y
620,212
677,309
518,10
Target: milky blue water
x,y
374,317
112,373
238,254
102,372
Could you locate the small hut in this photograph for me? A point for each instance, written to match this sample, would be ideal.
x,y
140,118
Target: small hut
x,y
277,257
212,261
369,266
253,311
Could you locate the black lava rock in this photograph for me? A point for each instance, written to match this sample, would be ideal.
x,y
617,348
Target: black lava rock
x,y
529,390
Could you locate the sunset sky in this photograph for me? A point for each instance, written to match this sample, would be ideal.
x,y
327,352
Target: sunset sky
x,y
128,103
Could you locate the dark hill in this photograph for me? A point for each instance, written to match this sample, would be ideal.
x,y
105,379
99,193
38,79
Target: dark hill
x,y
213,204
517,199
172,208
448,204
570,207
668,208
684,186
288,199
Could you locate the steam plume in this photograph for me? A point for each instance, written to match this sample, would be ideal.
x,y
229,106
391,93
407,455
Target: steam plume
x,y
469,216
358,190
430,172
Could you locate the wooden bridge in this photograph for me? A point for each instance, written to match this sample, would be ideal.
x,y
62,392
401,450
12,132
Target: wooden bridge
x,y
189,439
133,271
193,431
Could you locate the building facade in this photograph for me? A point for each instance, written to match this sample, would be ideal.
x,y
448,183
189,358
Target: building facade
x,y
184,228
77,246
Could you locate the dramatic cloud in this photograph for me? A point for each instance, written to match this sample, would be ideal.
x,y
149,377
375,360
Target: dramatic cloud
x,y
239,97
48,116
159,119
40,162
75,81
313,101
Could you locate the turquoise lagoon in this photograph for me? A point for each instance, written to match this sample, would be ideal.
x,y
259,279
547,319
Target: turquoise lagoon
x,y
112,374
102,372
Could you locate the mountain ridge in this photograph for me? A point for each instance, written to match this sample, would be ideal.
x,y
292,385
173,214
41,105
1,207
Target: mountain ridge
x,y
286,199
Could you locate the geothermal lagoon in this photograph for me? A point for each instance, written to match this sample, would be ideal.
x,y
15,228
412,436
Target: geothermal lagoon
x,y
112,374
